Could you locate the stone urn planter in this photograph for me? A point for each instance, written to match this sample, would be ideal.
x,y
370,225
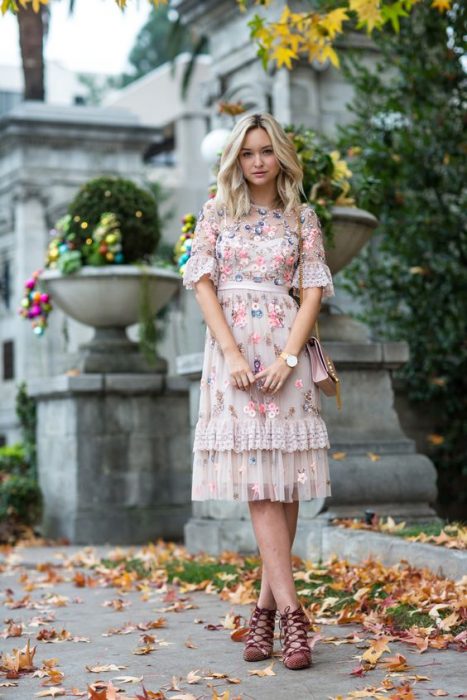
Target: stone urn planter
x,y
352,228
108,298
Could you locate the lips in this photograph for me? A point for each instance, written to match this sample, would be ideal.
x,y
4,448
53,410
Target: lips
x,y
260,172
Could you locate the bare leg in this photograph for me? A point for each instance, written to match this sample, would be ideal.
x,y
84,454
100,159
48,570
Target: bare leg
x,y
271,522
266,598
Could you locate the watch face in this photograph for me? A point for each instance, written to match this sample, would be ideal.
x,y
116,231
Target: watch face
x,y
292,360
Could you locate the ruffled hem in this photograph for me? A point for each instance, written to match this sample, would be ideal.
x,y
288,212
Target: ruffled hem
x,y
315,274
198,265
259,474
269,434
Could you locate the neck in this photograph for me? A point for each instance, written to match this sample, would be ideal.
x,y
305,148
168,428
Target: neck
x,y
264,196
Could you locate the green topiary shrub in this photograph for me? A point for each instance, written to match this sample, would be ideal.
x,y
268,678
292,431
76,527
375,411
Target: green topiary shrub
x,y
134,207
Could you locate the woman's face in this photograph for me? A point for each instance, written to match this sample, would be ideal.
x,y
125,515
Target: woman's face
x,y
257,159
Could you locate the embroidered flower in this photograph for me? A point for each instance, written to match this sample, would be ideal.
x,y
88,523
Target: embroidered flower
x,y
308,405
212,486
302,477
252,459
255,338
239,314
272,409
262,408
298,383
255,489
250,409
275,315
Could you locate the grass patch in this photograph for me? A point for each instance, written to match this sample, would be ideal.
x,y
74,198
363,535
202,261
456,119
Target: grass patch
x,y
414,530
196,572
136,565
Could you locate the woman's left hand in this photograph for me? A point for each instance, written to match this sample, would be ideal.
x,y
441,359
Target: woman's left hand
x,y
275,376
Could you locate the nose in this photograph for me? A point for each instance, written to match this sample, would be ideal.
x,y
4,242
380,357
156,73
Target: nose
x,y
258,161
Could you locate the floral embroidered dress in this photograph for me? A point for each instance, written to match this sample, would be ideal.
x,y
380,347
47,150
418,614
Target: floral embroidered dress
x,y
251,445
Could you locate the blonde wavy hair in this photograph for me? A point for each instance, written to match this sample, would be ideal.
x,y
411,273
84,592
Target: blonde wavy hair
x,y
232,188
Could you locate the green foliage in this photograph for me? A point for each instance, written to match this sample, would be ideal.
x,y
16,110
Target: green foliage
x,y
135,208
69,262
325,179
13,459
158,42
26,413
20,496
410,171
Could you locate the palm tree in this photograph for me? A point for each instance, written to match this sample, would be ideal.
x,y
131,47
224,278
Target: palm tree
x,y
32,31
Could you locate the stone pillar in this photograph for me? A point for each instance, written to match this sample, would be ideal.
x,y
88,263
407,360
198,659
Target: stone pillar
x,y
379,469
113,456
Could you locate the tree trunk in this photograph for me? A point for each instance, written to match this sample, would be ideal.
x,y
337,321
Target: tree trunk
x,y
31,40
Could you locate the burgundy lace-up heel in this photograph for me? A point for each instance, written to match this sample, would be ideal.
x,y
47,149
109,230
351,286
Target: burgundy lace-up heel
x,y
295,625
260,639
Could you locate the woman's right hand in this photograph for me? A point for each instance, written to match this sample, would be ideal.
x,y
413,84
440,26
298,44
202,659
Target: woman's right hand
x,y
241,375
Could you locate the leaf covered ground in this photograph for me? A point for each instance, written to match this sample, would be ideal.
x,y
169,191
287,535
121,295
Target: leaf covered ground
x,y
380,605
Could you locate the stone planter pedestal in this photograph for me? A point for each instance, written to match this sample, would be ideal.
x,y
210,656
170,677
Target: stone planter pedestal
x,y
113,456
112,433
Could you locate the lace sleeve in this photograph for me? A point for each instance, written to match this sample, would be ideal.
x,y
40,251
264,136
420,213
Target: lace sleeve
x,y
202,260
316,272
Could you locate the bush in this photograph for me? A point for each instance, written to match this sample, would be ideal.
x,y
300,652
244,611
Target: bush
x,y
135,209
20,495
13,459
409,132
20,498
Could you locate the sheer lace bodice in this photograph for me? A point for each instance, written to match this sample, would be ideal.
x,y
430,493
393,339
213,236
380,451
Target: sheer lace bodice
x,y
261,247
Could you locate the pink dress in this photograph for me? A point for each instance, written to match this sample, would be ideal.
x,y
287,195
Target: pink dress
x,y
251,445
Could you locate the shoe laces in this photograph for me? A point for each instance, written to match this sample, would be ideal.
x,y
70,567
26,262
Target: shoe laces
x,y
294,625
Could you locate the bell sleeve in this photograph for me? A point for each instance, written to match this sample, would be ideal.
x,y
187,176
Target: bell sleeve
x,y
316,272
202,260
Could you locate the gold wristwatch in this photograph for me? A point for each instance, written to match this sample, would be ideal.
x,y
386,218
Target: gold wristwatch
x,y
291,360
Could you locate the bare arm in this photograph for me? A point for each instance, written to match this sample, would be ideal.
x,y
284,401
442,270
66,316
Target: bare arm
x,y
304,320
240,371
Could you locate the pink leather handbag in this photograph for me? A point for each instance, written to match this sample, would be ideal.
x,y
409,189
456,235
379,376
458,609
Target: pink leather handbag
x,y
322,367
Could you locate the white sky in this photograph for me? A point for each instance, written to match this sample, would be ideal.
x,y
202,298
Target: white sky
x,y
96,38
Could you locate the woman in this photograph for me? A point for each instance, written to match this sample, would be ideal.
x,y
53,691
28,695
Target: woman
x,y
260,437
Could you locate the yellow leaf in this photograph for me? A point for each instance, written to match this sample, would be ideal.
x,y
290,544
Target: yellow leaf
x,y
442,5
374,457
339,455
369,13
377,647
283,56
263,671
332,22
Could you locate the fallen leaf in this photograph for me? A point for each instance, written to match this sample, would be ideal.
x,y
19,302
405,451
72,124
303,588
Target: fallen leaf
x,y
263,671
144,649
105,667
51,692
128,679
